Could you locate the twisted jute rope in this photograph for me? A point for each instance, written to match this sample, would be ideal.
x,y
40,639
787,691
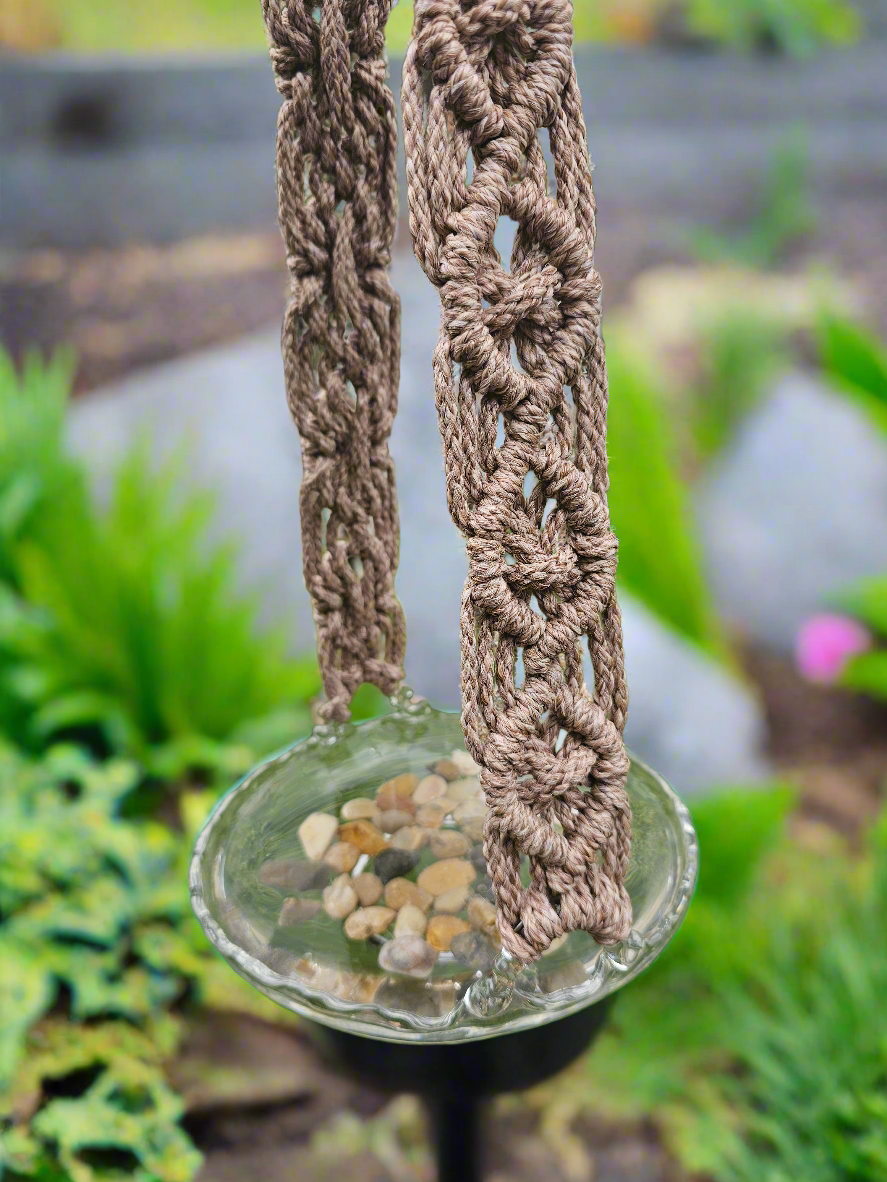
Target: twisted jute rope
x,y
337,190
521,389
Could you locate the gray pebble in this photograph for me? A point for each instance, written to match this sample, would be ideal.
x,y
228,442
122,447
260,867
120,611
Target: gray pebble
x,y
409,996
409,956
474,950
294,874
477,859
393,863
297,911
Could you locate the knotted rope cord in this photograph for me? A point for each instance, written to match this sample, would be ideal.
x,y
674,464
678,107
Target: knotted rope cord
x,y
337,189
481,78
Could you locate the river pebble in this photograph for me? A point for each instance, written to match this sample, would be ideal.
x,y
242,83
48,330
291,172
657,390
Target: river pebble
x,y
441,930
296,911
474,950
401,891
316,833
395,863
429,788
448,843
340,897
342,856
444,875
294,874
408,956
364,834
369,888
411,921
360,808
411,837
368,921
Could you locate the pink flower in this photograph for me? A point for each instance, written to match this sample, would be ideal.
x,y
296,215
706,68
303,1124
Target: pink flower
x,y
825,643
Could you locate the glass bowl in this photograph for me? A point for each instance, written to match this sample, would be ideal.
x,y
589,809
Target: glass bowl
x,y
285,886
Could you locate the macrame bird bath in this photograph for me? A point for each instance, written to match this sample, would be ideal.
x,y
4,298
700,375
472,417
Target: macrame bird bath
x,y
450,900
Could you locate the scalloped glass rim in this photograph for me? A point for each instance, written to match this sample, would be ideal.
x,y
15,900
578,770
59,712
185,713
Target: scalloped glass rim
x,y
607,968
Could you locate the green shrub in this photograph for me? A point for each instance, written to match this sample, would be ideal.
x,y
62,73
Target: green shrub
x,y
659,556
794,27
124,628
856,361
867,672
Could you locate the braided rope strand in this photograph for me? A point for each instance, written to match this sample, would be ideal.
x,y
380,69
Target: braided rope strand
x,y
521,392
337,191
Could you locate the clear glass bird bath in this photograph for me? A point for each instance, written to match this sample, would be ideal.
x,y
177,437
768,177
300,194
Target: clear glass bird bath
x,y
297,929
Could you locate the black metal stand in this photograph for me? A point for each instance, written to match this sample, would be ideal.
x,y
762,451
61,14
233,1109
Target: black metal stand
x,y
453,1079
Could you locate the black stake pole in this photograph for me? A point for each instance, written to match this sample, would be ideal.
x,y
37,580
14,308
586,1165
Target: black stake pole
x,y
454,1078
456,1135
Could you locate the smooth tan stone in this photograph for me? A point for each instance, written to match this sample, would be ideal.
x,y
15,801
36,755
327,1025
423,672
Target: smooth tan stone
x,y
365,836
294,874
399,788
445,875
441,930
368,921
340,897
361,808
342,856
429,788
316,833
446,768
482,915
411,837
357,986
369,888
448,843
470,816
393,819
296,911
388,801
411,921
400,891
464,762
409,956
452,901
433,814
464,789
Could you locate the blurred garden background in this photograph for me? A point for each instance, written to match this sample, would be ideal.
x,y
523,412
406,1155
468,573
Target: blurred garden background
x,y
156,639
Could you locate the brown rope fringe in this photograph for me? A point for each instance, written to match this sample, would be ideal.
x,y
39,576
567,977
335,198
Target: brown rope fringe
x,y
337,188
521,390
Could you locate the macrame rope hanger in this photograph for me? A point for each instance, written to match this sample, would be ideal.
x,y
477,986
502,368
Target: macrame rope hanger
x,y
521,392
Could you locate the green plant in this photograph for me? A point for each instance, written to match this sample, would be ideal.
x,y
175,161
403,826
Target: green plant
x,y
784,217
856,361
101,962
809,1037
867,602
659,557
739,353
794,27
125,627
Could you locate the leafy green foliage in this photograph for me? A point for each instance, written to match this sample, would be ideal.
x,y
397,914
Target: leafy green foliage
x,y
856,361
794,27
867,672
659,556
809,1036
126,624
97,943
784,217
739,352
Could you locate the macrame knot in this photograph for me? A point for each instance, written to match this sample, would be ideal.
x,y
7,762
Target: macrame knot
x,y
520,384
337,190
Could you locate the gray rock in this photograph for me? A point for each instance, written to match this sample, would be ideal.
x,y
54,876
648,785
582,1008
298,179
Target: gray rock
x,y
409,956
795,510
395,864
296,911
689,717
474,950
294,874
